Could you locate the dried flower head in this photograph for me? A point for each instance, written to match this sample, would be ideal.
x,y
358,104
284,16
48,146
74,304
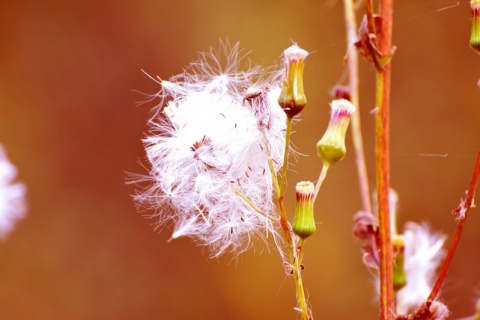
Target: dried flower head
x,y
12,196
211,151
434,310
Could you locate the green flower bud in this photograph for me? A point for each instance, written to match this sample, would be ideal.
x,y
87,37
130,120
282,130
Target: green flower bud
x,y
304,222
398,244
399,275
331,148
292,97
475,34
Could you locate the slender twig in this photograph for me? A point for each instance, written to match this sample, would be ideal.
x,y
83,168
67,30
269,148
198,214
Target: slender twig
x,y
283,174
370,17
294,261
321,178
462,210
382,143
353,86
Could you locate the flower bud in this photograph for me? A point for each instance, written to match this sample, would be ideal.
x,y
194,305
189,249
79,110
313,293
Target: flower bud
x,y
399,274
364,225
292,97
304,222
331,148
475,34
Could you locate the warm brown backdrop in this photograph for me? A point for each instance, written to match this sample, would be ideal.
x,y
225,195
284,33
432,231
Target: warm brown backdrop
x,y
70,123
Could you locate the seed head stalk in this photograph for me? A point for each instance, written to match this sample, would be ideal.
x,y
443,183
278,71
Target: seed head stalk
x,y
294,261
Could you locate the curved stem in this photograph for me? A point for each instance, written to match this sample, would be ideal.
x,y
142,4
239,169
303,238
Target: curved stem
x,y
321,178
462,210
289,237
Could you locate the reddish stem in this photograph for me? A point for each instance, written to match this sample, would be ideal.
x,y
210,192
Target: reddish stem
x,y
370,17
463,209
382,142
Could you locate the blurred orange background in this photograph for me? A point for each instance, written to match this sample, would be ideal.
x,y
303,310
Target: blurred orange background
x,y
69,121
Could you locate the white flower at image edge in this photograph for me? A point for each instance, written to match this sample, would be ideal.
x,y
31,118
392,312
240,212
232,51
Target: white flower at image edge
x,y
423,254
210,151
12,196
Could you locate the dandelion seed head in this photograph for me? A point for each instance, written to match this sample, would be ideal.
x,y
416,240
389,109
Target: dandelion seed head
x,y
213,140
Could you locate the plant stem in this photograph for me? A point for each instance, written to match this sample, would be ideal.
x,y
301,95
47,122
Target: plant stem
x,y
463,210
383,187
321,178
283,174
382,156
294,261
353,76
370,18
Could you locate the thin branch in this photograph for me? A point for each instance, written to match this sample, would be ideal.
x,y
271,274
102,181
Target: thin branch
x,y
288,235
463,210
353,88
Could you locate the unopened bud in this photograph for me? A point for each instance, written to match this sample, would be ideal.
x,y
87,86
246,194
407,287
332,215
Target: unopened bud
x,y
292,98
399,274
341,92
475,34
331,148
364,225
304,222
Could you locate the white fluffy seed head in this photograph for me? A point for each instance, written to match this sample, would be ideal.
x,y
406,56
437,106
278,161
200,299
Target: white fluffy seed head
x,y
209,152
423,254
12,196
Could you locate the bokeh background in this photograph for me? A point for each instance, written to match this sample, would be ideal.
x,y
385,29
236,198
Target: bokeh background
x,y
69,118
